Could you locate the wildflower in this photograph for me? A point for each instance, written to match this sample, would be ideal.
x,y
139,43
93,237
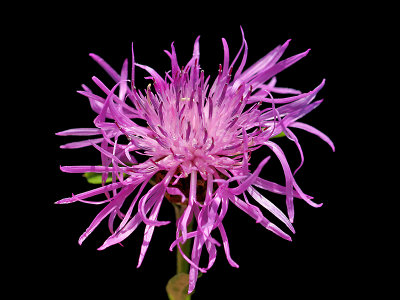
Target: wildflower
x,y
198,138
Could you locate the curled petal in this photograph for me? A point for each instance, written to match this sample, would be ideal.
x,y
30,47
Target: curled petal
x,y
91,193
176,191
148,232
250,180
288,177
271,207
257,215
188,211
226,246
315,131
112,206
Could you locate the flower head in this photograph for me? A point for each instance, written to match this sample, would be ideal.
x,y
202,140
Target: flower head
x,y
197,138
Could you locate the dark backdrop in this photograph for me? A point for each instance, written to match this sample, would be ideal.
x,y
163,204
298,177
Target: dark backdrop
x,y
320,261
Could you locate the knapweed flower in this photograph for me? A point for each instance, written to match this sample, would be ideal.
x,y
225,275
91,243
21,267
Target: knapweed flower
x,y
196,135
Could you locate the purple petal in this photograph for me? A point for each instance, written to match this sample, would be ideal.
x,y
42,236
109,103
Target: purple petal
x,y
126,228
240,69
292,137
193,272
148,233
288,177
158,79
153,197
110,71
116,203
226,246
96,102
176,191
315,131
275,188
150,199
133,70
81,144
80,132
84,169
174,61
108,154
226,57
124,77
250,180
264,63
92,193
192,197
279,67
257,215
270,207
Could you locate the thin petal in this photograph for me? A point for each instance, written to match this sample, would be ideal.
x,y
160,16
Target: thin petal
x,y
107,154
127,228
193,272
253,212
275,188
250,180
188,211
315,131
148,233
116,203
80,132
151,198
242,64
110,71
81,144
264,63
84,169
158,79
92,193
133,69
279,67
288,177
177,192
226,246
270,207
226,57
124,77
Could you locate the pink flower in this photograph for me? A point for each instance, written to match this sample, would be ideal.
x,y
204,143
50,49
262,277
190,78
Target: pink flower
x,y
198,136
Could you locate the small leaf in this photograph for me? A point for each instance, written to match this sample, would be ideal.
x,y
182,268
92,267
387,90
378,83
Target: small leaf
x,y
95,178
282,134
177,287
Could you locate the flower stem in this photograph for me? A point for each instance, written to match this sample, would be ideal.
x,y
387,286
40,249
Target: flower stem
x,y
182,266
177,287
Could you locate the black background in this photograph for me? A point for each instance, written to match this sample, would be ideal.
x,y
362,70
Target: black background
x,y
322,260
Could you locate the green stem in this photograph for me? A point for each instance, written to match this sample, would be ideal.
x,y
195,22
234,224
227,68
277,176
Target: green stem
x,y
177,286
182,266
